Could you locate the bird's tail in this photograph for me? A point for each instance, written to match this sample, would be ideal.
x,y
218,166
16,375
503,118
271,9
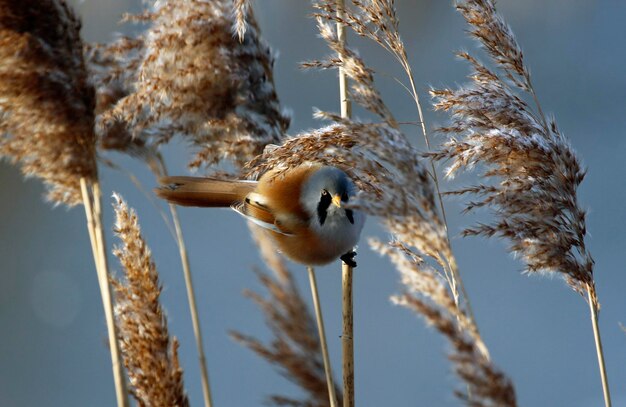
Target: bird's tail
x,y
205,192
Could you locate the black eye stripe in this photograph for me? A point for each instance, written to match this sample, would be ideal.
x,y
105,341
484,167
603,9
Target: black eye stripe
x,y
350,215
322,207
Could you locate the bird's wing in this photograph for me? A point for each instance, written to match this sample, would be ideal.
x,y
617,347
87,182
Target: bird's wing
x,y
259,214
204,192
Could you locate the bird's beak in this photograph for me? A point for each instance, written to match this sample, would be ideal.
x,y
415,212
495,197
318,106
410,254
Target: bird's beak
x,y
337,200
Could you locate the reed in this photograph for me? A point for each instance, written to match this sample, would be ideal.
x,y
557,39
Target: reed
x,y
227,110
224,107
47,123
426,294
59,104
533,171
296,348
347,332
150,354
378,22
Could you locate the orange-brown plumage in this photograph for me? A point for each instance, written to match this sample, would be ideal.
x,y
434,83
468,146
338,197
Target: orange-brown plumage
x,y
294,207
204,192
283,190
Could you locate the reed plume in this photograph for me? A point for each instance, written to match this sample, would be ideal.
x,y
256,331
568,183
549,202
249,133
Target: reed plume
x,y
377,21
534,172
150,355
241,8
47,122
187,75
535,202
46,103
295,349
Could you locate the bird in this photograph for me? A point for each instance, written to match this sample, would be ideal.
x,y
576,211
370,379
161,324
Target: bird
x,y
303,209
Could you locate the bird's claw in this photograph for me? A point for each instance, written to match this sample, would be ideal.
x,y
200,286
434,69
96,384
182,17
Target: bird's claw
x,y
348,258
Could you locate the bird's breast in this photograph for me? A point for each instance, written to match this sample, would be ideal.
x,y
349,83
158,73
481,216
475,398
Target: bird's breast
x,y
312,245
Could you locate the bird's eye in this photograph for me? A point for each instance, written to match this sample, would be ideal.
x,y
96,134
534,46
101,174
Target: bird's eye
x,y
324,192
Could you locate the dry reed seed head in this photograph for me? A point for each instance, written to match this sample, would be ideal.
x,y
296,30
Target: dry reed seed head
x,y
46,102
489,28
532,170
149,354
295,348
240,12
362,89
113,76
409,213
373,19
195,80
426,294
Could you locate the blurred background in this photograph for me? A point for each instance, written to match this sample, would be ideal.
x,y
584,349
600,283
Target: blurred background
x,y
53,337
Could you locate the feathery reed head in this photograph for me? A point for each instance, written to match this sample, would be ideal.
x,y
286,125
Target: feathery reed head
x,y
150,356
46,102
537,172
113,76
295,349
376,20
187,75
240,12
362,89
497,38
426,294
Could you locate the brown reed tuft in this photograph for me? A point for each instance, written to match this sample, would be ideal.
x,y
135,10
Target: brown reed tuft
x,y
187,75
425,293
295,349
240,12
533,169
377,21
150,355
46,101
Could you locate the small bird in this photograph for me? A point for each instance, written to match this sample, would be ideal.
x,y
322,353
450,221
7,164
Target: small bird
x,y
302,208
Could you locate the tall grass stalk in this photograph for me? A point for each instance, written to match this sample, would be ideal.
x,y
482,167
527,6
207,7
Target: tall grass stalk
x,y
593,308
91,201
347,334
193,308
377,21
47,123
332,397
533,171
452,271
159,168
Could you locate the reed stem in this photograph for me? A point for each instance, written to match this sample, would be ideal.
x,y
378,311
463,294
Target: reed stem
x,y
159,168
593,308
347,337
91,199
453,269
322,334
193,309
